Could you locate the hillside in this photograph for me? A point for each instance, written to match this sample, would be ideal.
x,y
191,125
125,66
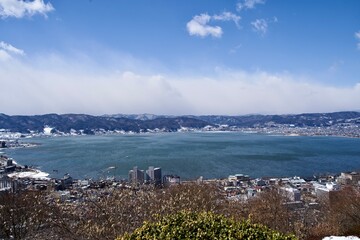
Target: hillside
x,y
87,123
149,122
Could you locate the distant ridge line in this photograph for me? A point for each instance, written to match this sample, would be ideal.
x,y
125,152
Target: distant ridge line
x,y
146,122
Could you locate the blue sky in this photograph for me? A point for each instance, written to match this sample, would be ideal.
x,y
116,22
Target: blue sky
x,y
179,57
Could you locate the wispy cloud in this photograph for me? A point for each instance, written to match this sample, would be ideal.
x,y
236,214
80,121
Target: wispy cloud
x,y
22,8
260,26
8,47
335,66
248,4
357,36
7,51
199,25
235,49
228,16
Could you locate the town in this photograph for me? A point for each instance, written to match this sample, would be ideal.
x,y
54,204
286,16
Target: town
x,y
238,187
74,205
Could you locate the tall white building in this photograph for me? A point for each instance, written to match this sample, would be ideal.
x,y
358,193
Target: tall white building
x,y
153,175
136,176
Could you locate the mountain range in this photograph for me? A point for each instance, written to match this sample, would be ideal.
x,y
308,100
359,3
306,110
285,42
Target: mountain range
x,y
149,122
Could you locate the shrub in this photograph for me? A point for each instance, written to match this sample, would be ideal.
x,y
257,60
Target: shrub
x,y
203,225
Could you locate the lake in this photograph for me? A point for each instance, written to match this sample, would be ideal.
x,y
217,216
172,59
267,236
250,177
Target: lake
x,y
190,155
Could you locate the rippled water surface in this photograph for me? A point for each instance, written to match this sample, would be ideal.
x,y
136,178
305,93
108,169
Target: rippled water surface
x,y
190,155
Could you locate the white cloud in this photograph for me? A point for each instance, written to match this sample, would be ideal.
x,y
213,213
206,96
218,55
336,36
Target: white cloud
x,y
11,49
260,26
7,51
21,8
64,86
228,16
199,25
357,36
248,4
4,56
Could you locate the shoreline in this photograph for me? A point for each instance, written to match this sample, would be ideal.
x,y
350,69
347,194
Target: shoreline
x,y
289,132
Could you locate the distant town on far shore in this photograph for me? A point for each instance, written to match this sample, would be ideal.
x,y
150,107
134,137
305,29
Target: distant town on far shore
x,y
346,124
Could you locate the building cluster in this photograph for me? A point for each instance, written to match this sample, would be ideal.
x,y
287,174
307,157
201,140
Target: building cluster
x,y
13,143
14,177
299,191
341,129
152,175
6,165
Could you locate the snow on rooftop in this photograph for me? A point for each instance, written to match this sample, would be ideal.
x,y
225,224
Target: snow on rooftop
x,y
341,238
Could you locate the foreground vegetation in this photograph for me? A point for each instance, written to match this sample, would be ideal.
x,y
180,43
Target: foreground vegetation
x,y
204,225
116,212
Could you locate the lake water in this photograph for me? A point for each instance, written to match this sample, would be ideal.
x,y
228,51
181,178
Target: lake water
x,y
190,155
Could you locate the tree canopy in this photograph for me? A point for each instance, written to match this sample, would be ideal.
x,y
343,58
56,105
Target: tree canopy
x,y
203,225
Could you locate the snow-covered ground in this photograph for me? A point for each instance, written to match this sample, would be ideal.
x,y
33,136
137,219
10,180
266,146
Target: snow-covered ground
x,y
35,174
341,238
47,130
